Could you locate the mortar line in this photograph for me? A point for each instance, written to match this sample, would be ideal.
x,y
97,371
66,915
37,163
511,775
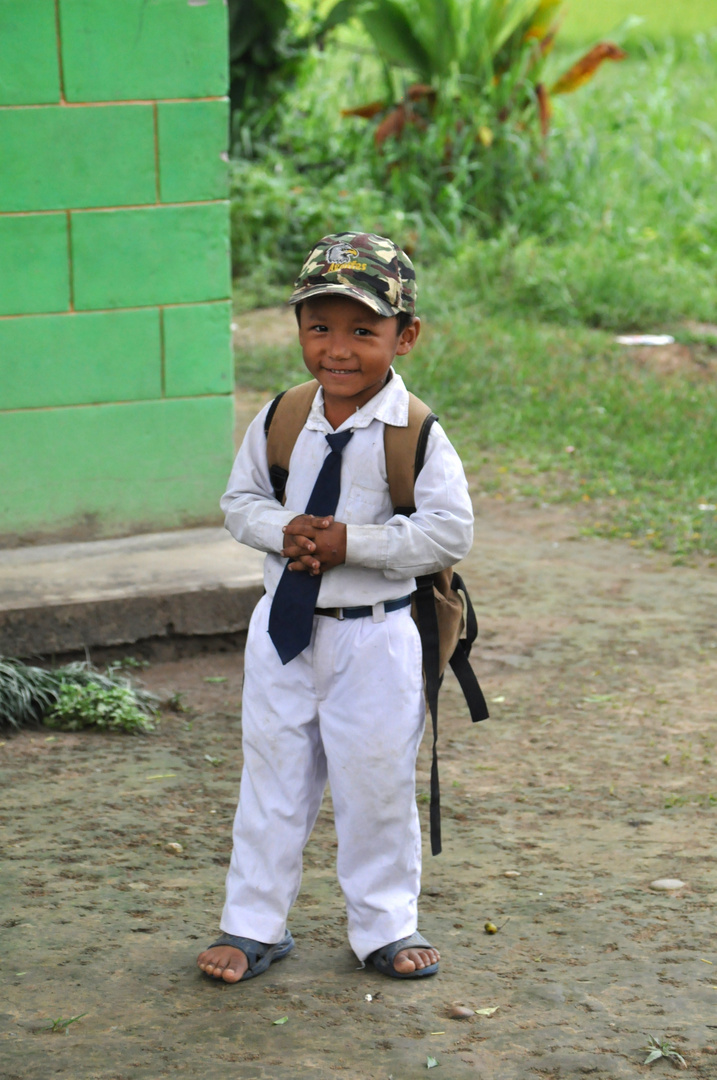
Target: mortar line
x,y
110,311
155,114
110,209
69,260
58,41
109,104
162,355
124,401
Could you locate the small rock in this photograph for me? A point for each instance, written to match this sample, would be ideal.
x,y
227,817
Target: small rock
x,y
667,884
460,1012
512,873
174,848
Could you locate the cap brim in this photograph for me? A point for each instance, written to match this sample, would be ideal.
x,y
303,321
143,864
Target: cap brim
x,y
381,307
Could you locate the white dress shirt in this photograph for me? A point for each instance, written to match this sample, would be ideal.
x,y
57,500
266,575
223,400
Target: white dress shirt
x,y
384,552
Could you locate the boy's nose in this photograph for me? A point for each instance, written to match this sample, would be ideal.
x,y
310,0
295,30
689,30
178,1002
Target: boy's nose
x,y
340,347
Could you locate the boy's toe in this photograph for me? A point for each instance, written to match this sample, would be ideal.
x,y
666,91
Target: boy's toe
x,y
223,962
409,960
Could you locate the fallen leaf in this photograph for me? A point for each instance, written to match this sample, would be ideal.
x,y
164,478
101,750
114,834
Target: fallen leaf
x,y
431,1063
215,678
282,1021
487,1012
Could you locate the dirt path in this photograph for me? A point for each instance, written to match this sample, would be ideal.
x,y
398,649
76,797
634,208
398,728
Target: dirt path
x,y
595,777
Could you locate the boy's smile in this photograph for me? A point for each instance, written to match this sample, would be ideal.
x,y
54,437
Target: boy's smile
x,y
349,349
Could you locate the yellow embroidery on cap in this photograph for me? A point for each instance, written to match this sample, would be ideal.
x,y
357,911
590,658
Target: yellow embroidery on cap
x,y
353,265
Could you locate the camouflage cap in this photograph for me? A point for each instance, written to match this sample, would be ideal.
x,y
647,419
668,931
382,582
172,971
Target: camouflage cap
x,y
366,267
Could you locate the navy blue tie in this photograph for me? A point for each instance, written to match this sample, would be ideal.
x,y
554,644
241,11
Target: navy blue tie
x,y
291,618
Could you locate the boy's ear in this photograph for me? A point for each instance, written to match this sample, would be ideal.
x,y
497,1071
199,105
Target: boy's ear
x,y
408,337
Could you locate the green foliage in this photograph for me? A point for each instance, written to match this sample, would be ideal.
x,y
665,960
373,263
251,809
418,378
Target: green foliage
x,y
29,694
268,44
105,708
616,227
662,1048
438,40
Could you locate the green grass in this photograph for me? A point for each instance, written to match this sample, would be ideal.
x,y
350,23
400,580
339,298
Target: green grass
x,y
586,20
515,395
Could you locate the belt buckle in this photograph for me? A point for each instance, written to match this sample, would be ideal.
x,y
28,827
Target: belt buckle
x,y
332,613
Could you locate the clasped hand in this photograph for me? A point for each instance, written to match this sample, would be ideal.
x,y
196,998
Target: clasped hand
x,y
314,544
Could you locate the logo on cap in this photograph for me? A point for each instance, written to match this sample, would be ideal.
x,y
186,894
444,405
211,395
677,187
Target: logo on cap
x,y
341,253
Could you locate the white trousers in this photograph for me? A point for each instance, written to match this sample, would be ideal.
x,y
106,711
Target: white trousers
x,y
349,709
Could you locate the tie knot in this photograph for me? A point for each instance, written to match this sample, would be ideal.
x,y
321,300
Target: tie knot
x,y
338,439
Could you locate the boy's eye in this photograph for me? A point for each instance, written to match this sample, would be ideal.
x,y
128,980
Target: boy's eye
x,y
362,331
319,327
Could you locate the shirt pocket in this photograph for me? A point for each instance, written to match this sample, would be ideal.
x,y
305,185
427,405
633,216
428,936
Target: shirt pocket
x,y
367,505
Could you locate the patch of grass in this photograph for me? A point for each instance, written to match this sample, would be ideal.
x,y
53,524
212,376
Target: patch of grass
x,y
61,1024
71,697
112,708
586,20
514,395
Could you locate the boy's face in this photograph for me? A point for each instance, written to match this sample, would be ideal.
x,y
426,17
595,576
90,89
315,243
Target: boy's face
x,y
349,349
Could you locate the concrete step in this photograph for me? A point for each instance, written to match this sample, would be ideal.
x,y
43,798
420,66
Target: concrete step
x,y
63,597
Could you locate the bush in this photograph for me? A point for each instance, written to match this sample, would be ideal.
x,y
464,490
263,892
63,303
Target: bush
x,y
112,708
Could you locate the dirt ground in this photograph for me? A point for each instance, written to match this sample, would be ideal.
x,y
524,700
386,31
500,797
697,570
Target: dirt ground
x,y
594,777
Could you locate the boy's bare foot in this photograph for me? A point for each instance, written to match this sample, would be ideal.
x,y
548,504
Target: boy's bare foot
x,y
233,958
223,962
408,960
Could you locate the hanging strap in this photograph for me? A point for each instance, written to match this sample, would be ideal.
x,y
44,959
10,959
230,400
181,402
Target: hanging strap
x,y
460,664
428,629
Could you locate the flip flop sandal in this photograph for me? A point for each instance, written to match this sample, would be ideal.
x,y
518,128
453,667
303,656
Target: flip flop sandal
x,y
382,959
259,955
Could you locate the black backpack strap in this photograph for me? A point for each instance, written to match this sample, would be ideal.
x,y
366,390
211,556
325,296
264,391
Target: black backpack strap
x,y
460,664
277,474
428,629
270,413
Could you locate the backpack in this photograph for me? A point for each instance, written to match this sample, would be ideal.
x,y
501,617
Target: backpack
x,y
441,605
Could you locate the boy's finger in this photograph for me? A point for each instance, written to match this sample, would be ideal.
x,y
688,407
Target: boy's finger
x,y
305,562
297,547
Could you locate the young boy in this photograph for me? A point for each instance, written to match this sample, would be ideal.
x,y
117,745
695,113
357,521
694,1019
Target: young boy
x,y
334,690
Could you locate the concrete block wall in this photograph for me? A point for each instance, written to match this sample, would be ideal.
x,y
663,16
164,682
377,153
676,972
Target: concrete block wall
x,y
115,360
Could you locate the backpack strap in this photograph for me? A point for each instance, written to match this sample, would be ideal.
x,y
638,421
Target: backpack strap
x,y
427,618
405,452
405,455
290,410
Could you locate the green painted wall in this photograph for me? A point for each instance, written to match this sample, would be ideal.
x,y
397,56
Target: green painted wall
x,y
116,406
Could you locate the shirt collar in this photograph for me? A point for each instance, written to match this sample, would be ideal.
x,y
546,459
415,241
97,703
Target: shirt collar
x,y
390,406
